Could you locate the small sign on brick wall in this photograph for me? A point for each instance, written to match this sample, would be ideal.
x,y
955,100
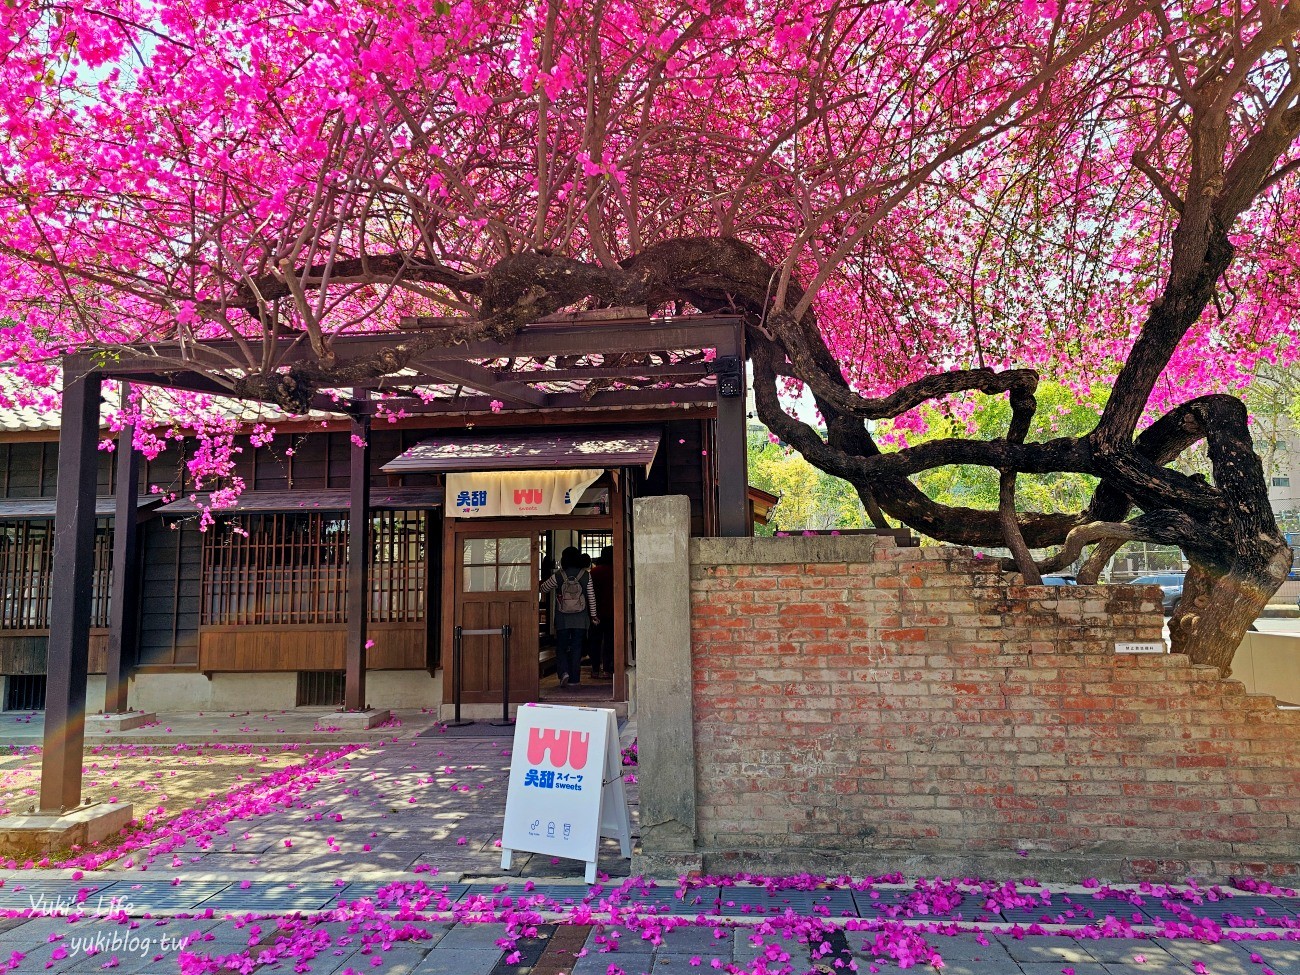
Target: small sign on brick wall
x,y
1157,647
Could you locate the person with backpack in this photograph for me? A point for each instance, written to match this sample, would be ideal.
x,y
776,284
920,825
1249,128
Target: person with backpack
x,y
601,638
575,613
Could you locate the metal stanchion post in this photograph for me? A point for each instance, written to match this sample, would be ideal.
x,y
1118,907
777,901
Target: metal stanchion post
x,y
456,678
505,679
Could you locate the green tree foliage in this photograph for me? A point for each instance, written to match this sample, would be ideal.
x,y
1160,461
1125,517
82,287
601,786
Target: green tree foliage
x,y
811,499
1061,413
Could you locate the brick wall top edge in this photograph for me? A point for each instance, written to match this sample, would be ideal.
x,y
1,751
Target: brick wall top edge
x,y
801,548
866,549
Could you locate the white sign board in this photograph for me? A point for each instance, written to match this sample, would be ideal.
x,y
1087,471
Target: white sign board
x,y
1139,648
566,785
508,494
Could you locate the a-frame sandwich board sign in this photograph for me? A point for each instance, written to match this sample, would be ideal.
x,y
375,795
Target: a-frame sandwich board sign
x,y
566,788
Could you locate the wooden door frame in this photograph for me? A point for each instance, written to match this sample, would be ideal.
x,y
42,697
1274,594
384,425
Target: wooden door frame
x,y
454,529
493,528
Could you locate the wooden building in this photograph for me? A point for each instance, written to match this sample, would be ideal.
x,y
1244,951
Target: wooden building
x,y
366,500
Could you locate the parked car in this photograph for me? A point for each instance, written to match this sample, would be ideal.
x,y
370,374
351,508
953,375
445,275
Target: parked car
x,y
1059,581
1171,585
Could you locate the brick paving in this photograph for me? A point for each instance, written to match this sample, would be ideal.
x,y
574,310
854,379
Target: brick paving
x,y
431,946
413,800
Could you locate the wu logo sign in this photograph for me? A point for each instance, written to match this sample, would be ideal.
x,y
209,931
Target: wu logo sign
x,y
528,496
566,747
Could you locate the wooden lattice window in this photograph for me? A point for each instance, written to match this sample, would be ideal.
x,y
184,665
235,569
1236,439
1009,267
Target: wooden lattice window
x,y
593,543
398,563
26,573
286,568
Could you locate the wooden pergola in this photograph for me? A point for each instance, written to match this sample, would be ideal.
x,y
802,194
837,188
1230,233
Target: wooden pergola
x,y
613,363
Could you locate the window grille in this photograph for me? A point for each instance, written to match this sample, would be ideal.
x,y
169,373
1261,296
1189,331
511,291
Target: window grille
x,y
398,563
592,543
26,573
288,568
26,692
320,688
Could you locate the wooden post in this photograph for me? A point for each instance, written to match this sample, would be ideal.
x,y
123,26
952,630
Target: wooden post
x,y
619,570
731,465
72,579
123,605
354,689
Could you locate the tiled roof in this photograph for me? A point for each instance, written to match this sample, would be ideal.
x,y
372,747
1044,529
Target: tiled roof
x,y
24,509
555,449
21,406
27,408
251,502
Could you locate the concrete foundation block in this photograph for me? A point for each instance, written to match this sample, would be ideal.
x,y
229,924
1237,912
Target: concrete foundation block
x,y
33,833
99,724
666,865
358,720
485,713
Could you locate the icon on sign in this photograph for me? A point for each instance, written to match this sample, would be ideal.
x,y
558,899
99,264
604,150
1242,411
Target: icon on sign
x,y
550,830
534,828
567,830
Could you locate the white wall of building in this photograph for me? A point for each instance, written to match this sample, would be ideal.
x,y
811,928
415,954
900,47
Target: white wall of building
x,y
270,692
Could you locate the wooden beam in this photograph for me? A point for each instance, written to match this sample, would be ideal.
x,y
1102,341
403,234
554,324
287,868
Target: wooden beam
x,y
570,402
72,581
460,419
688,332
123,605
354,682
629,313
193,382
682,370
546,340
622,313
425,375
485,381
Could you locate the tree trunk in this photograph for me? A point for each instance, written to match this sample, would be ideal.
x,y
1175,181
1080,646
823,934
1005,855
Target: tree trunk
x,y
1215,612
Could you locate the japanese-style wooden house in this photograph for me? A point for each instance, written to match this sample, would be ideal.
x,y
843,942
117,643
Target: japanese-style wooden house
x,y
256,610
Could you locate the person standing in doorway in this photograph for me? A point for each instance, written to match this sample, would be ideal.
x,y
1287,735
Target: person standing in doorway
x,y
575,613
602,636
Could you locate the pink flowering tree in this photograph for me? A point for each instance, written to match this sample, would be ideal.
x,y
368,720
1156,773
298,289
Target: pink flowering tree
x,y
910,203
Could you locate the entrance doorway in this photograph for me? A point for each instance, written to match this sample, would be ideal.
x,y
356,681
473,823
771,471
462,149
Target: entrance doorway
x,y
497,585
494,570
596,549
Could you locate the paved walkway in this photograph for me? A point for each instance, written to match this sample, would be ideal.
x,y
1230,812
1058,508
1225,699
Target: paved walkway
x,y
308,725
473,949
426,812
420,940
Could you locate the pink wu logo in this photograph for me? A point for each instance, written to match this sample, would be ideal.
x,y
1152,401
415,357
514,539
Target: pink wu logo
x,y
566,747
528,496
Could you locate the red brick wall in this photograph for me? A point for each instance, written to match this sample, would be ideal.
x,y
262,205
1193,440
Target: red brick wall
x,y
863,706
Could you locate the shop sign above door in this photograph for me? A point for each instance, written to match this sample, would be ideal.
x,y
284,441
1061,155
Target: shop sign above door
x,y
511,494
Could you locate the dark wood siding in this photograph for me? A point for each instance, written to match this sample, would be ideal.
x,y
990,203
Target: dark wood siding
x,y
24,653
680,469
30,469
169,595
298,461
